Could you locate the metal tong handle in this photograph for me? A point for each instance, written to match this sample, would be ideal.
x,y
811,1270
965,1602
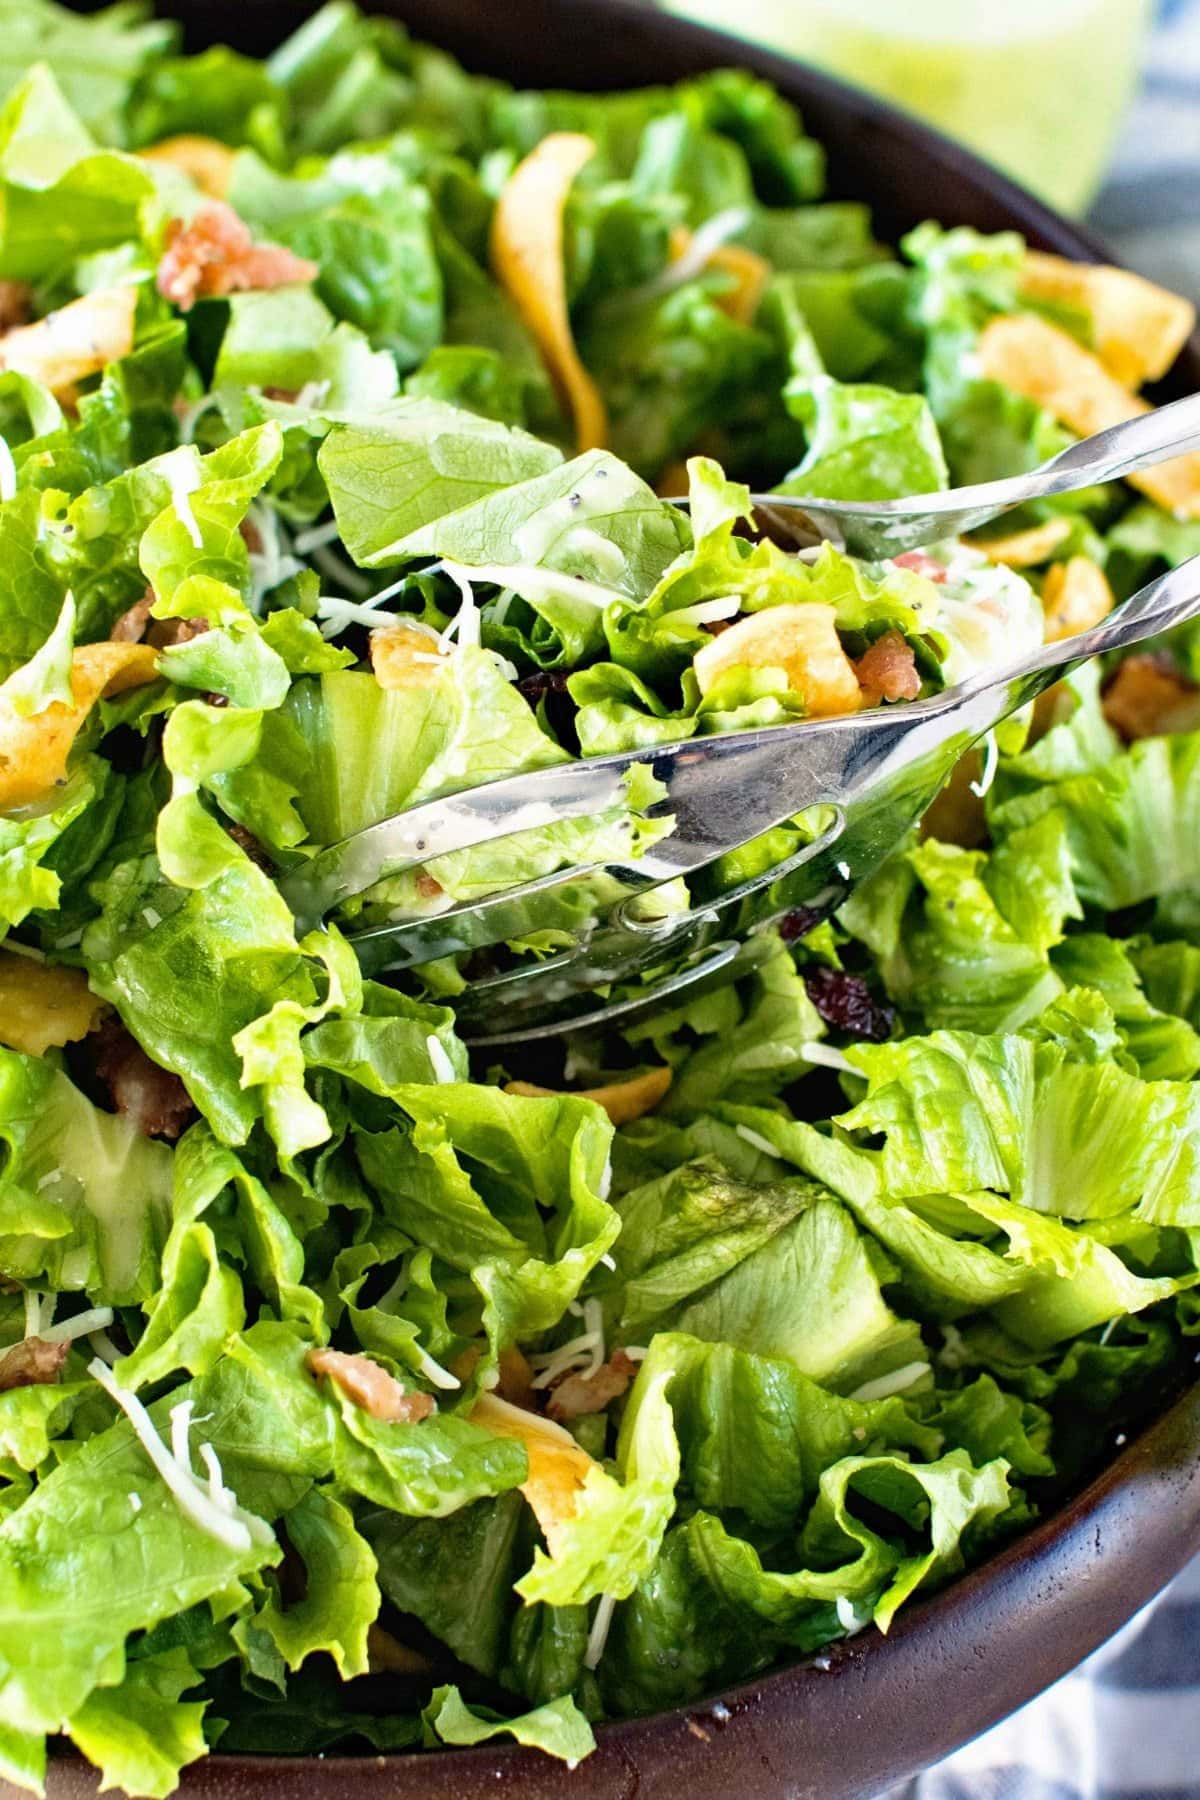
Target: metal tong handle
x,y
724,790
884,527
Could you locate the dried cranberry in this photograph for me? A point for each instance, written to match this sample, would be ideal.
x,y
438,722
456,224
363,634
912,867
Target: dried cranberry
x,y
847,1003
798,924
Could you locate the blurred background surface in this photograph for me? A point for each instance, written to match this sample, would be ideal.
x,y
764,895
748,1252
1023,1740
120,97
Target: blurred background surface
x,y
1094,104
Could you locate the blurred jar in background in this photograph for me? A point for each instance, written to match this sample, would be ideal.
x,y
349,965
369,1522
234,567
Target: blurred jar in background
x,y
1037,86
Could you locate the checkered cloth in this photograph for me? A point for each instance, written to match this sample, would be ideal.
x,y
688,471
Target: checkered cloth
x,y
1126,1724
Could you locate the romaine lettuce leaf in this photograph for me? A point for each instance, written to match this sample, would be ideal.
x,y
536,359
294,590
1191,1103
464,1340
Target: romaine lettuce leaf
x,y
84,1197
558,1727
139,1732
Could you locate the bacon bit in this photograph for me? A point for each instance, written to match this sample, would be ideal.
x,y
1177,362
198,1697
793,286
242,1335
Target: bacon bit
x,y
130,628
623,1101
16,303
579,1394
203,160
921,564
151,1098
166,634
363,1381
44,1005
888,671
246,840
1148,697
78,340
516,1377
251,536
215,255
33,1363
427,887
388,1656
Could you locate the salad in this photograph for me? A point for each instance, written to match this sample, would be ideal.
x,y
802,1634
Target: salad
x,y
358,1392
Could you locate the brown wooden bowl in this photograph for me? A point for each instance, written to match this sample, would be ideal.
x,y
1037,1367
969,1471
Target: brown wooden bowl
x,y
872,1710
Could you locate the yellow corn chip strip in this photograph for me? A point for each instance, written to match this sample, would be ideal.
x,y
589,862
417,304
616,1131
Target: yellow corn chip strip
x,y
528,258
1139,328
1075,595
1024,549
78,340
42,1006
802,641
623,1101
34,750
1040,361
203,159
403,657
558,1467
750,273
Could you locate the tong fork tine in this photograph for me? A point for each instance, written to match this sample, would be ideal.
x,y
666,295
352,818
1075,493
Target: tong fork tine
x,y
883,528
873,773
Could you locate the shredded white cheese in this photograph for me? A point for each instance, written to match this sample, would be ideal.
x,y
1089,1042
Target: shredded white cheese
x,y
704,612
756,1140
183,483
335,614
434,1372
33,1310
339,569
104,1347
315,538
27,950
884,1386
598,1635
465,624
443,1068
237,1531
829,1058
273,563
97,1318
707,239
848,1617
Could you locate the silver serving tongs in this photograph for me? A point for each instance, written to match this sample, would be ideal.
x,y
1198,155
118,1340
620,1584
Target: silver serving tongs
x,y
882,528
861,782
